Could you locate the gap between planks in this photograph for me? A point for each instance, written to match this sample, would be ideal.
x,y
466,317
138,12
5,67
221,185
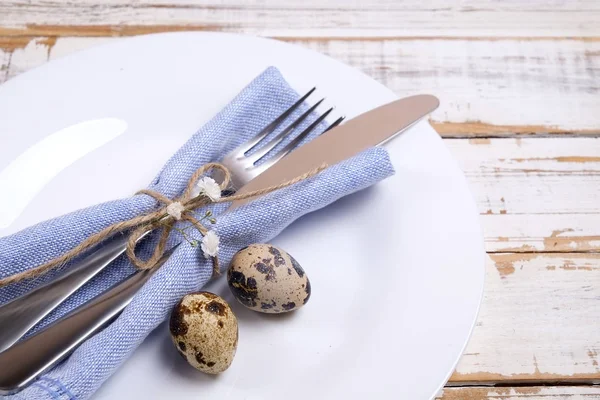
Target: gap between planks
x,y
479,129
517,393
99,31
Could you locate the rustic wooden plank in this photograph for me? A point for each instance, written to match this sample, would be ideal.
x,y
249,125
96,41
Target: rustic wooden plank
x,y
525,233
487,88
520,393
304,18
539,194
538,321
532,176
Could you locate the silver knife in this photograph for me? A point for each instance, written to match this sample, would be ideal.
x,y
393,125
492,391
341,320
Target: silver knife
x,y
372,128
23,313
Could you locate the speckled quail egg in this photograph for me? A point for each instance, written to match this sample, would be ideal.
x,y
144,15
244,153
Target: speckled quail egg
x,y
205,331
267,279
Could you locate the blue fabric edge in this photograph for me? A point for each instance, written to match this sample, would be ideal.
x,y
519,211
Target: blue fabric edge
x,y
57,393
47,389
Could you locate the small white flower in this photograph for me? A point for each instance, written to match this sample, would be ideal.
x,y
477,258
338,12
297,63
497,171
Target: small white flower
x,y
210,244
209,187
175,209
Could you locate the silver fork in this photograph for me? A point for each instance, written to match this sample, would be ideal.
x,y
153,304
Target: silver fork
x,y
244,167
23,313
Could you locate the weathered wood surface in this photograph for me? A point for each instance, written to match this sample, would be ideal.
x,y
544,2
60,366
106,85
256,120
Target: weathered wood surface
x,y
538,321
305,18
535,195
538,199
522,70
487,87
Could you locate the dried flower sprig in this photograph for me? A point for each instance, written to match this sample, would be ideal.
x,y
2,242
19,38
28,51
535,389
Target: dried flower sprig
x,y
210,241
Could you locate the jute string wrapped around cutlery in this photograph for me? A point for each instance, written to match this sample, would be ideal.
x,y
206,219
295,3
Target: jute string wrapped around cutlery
x,y
163,218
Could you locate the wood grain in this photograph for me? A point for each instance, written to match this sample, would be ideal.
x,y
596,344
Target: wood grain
x,y
532,176
488,88
535,324
520,393
526,233
304,18
535,195
538,321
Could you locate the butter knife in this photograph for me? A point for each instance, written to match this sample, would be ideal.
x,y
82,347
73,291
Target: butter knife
x,y
372,128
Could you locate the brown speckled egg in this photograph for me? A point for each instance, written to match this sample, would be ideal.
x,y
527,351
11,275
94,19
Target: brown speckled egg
x,y
267,279
205,331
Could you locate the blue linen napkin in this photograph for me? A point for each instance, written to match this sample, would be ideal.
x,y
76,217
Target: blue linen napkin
x,y
79,376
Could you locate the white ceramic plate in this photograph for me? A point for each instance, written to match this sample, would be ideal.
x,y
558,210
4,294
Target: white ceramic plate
x,y
397,270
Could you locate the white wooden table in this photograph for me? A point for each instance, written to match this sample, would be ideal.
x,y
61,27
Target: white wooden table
x,y
519,83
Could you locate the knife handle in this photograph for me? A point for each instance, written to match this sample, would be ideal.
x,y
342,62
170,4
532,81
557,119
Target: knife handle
x,y
22,363
18,316
21,314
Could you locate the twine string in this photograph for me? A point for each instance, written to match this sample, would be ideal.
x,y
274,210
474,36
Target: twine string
x,y
159,219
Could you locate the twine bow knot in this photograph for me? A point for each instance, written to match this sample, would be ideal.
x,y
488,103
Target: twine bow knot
x,y
165,218
175,209
179,209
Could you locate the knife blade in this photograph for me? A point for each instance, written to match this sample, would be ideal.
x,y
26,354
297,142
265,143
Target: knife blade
x,y
372,128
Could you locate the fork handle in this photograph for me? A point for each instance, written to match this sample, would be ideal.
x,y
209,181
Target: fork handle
x,y
23,313
22,363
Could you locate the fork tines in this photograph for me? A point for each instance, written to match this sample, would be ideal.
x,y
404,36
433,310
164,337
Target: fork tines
x,y
246,166
265,148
